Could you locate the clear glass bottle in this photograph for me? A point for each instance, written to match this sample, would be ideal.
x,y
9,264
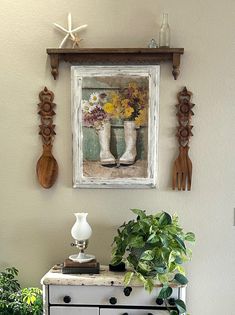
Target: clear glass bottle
x,y
164,34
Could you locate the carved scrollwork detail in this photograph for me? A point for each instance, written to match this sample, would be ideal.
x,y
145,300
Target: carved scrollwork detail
x,y
46,111
184,133
184,114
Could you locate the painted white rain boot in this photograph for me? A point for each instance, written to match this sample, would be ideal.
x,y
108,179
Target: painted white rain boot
x,y
129,155
106,157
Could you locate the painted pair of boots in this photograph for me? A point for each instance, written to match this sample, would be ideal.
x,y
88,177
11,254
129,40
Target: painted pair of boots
x,y
128,157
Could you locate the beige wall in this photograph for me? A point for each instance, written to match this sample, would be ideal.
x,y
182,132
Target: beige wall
x,y
35,223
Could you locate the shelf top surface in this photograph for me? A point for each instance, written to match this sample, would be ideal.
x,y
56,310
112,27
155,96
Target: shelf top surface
x,y
105,278
115,50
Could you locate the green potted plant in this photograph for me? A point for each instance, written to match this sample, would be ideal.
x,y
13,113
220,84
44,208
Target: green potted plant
x,y
153,247
14,299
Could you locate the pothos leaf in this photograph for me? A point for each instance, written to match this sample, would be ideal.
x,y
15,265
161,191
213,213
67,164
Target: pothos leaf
x,y
141,277
128,276
173,313
180,306
178,260
116,260
147,255
190,237
165,292
163,278
136,241
180,243
149,285
165,219
181,278
153,238
140,213
180,269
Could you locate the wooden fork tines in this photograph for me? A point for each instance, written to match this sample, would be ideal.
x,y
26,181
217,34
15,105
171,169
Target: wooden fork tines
x,y
182,171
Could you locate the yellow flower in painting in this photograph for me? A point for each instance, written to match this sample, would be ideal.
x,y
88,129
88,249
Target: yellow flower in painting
x,y
138,121
135,93
108,108
128,112
141,119
125,102
133,85
115,99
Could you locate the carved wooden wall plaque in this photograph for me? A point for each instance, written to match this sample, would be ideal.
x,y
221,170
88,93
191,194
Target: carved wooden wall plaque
x,y
182,171
47,167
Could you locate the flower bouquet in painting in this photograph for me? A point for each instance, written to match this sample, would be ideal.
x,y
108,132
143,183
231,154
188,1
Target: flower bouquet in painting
x,y
97,113
94,111
129,105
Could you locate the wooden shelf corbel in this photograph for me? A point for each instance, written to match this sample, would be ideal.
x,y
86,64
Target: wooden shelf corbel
x,y
96,56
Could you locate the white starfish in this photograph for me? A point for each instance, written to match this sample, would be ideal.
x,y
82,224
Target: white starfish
x,y
69,32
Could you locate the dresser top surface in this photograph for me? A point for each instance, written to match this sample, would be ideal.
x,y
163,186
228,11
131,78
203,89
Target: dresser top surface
x,y
104,278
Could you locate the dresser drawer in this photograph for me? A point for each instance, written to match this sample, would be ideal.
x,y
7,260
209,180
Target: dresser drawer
x,y
101,295
123,311
63,310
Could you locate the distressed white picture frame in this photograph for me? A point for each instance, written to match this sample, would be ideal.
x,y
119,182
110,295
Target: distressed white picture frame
x,y
78,73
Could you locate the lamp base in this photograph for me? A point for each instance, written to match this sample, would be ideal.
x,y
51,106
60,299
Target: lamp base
x,y
81,258
82,270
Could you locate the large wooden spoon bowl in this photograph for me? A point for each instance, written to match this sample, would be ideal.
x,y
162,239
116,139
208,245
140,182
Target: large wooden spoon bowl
x,y
47,168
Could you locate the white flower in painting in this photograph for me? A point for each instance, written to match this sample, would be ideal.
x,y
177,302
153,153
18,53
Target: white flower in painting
x,y
94,98
85,106
92,107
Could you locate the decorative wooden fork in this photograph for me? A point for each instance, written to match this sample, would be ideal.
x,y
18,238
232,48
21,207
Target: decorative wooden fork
x,y
182,171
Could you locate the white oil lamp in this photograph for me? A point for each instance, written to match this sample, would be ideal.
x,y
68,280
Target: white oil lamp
x,y
81,232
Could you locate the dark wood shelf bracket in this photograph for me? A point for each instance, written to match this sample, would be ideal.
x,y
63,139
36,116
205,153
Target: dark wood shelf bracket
x,y
176,65
113,56
55,60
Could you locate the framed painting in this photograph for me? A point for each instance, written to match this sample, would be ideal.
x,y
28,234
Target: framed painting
x,y
115,126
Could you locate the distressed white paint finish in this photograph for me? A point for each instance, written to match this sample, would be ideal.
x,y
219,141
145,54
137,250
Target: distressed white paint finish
x,y
121,311
55,277
60,310
104,278
45,297
91,293
81,295
77,75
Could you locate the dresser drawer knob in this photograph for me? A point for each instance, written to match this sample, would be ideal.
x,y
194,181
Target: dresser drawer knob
x,y
67,299
159,301
171,301
113,300
127,291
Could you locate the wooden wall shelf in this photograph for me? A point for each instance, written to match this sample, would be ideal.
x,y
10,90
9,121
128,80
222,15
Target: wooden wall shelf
x,y
115,56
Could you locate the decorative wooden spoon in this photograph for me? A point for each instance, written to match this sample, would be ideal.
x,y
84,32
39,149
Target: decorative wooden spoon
x,y
47,167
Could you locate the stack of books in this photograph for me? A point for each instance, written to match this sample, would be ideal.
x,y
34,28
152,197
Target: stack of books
x,y
72,267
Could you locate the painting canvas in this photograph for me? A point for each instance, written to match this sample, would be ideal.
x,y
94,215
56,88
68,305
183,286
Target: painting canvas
x,y
114,124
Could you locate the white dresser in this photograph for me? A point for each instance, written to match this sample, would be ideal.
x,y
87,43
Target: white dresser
x,y
102,294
